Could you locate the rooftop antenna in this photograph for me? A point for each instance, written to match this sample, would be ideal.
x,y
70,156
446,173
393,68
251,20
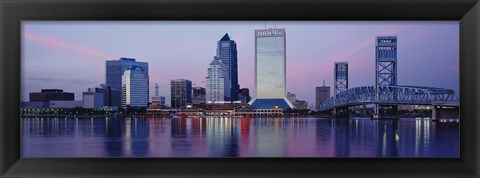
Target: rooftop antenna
x,y
323,82
156,89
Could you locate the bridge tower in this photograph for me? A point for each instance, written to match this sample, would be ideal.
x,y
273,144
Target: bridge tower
x,y
385,65
340,79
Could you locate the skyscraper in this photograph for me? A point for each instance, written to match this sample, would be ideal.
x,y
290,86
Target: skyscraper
x,y
270,70
135,87
218,84
321,94
227,52
181,93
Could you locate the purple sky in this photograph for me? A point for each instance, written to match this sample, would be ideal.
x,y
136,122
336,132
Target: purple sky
x,y
71,55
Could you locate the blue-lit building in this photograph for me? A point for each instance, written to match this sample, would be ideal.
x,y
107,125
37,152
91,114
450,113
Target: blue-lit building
x,y
135,87
270,70
115,68
227,52
181,93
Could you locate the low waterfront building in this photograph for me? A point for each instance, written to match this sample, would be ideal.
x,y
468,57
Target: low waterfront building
x,y
47,95
92,99
275,111
65,104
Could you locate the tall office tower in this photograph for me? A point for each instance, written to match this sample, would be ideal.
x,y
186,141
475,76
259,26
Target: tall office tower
x,y
181,93
156,100
218,84
244,95
385,65
135,87
114,72
270,70
321,94
227,52
341,77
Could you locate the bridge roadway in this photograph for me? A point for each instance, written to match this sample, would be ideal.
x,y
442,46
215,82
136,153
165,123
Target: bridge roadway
x,y
391,95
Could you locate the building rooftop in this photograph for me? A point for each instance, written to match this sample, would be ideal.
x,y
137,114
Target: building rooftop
x,y
225,37
270,103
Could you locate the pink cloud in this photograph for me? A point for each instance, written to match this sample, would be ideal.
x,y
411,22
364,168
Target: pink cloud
x,y
59,43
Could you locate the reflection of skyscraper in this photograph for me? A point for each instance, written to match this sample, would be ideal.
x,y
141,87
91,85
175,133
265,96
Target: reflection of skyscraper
x,y
227,52
181,93
270,69
218,83
135,87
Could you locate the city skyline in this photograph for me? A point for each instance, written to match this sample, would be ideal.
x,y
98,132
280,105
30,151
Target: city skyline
x,y
80,57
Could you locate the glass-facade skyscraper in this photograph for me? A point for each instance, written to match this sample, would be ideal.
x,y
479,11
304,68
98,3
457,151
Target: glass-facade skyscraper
x,y
270,70
181,93
135,87
218,83
114,72
227,52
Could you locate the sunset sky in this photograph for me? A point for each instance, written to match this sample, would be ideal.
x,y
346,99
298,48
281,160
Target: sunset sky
x,y
71,55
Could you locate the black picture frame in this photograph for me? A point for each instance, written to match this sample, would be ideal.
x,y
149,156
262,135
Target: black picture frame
x,y
12,12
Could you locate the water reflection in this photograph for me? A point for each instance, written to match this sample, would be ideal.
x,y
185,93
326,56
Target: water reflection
x,y
238,137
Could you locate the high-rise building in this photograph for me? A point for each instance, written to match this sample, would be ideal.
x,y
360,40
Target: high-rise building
x,y
199,95
135,87
115,70
227,52
181,93
244,95
270,70
217,82
47,95
321,94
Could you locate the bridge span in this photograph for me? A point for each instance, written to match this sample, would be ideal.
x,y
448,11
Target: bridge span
x,y
391,95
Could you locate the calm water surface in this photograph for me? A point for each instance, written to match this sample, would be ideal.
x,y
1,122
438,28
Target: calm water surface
x,y
238,137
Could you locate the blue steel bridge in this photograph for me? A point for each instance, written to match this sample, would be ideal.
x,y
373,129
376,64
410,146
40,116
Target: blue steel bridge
x,y
391,95
387,94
